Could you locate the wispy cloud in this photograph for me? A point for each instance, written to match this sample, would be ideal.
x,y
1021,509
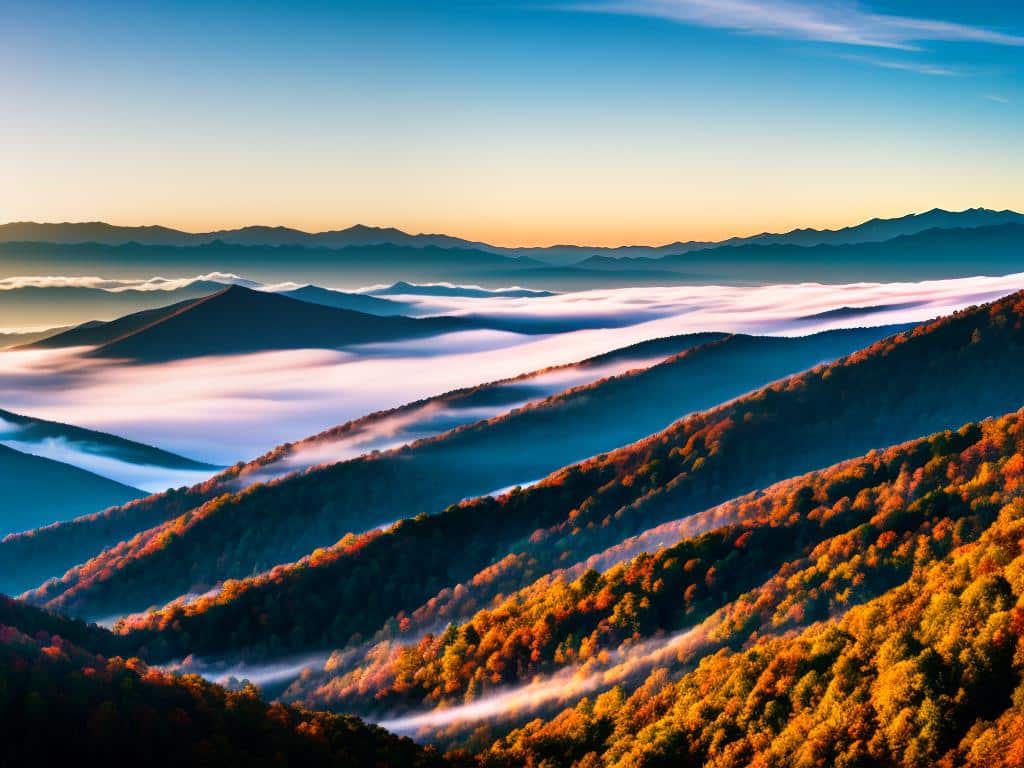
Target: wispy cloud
x,y
997,98
919,68
843,23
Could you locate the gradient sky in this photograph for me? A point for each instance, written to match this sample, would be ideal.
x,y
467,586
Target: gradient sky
x,y
594,121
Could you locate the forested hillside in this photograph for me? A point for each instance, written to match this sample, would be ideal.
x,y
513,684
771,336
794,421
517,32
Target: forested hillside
x,y
62,704
899,388
296,515
928,673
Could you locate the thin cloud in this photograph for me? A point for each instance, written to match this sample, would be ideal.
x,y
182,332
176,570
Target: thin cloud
x,y
932,70
996,98
838,23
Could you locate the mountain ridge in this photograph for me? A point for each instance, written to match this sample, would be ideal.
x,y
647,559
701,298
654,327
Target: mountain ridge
x,y
871,230
238,320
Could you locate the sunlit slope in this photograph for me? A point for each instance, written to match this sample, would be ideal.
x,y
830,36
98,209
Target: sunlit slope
x,y
929,673
943,374
219,540
800,551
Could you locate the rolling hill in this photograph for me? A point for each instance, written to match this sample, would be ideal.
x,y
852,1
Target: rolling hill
x,y
237,320
894,643
797,552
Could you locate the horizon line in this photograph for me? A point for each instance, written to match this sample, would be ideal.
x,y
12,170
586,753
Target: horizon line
x,y
473,242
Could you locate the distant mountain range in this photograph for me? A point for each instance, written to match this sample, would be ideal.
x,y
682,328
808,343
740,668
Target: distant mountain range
x,y
874,230
976,241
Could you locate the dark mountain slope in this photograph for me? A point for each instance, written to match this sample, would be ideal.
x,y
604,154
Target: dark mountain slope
x,y
934,253
316,509
945,373
38,491
95,333
64,704
27,560
238,320
26,429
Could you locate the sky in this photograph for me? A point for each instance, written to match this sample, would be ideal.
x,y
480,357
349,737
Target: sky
x,y
532,122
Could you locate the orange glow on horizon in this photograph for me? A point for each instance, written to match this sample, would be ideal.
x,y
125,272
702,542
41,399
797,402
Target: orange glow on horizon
x,y
607,235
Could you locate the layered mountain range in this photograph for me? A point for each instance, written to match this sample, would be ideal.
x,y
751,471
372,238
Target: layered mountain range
x,y
717,549
934,244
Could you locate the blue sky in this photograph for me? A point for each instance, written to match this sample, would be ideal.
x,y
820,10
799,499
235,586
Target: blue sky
x,y
596,121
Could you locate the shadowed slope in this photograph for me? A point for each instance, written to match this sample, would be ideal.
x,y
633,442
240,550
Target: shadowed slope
x,y
299,514
66,704
26,560
27,429
238,320
38,491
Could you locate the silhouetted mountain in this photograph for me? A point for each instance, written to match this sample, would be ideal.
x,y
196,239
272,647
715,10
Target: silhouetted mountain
x,y
934,253
878,230
238,320
354,266
96,333
27,430
874,230
38,491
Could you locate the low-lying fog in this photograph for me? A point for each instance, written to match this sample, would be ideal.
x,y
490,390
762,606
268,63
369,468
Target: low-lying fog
x,y
222,410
